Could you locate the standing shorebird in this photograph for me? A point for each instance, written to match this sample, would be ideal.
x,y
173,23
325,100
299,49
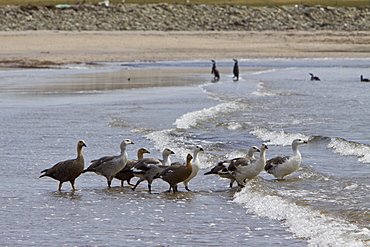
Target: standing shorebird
x,y
282,166
236,70
177,173
68,170
109,166
215,72
196,166
249,168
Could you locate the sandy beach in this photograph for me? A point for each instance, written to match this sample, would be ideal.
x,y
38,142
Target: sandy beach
x,y
48,48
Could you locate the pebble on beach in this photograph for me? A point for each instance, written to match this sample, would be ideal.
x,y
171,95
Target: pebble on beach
x,y
176,17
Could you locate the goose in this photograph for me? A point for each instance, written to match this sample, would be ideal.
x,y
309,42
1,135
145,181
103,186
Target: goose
x,y
215,71
281,166
148,168
126,174
67,170
176,173
109,166
314,78
166,156
364,79
248,168
195,164
225,172
236,70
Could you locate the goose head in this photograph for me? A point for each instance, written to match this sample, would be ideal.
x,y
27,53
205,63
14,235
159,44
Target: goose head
x,y
167,152
81,144
298,142
189,157
253,150
125,142
264,147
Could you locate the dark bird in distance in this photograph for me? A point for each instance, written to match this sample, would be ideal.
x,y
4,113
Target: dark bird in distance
x,y
215,72
314,78
236,70
364,79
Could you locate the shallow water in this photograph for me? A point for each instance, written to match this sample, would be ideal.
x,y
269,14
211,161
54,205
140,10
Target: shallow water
x,y
325,203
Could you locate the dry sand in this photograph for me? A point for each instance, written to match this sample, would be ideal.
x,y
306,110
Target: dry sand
x,y
39,48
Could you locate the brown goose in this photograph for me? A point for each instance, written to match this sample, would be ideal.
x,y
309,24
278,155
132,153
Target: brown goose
x,y
226,171
67,170
147,169
126,174
177,173
109,166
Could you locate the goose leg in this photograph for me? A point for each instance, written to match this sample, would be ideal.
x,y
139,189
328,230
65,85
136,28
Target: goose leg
x,y
137,183
129,183
150,187
60,186
73,184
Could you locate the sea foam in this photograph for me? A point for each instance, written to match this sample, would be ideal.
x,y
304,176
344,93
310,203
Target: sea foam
x,y
191,119
276,137
318,228
348,148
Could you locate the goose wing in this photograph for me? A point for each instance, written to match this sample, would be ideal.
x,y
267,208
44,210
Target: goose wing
x,y
220,167
60,170
276,161
239,162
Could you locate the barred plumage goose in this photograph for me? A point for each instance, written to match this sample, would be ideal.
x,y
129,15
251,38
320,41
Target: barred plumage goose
x,y
67,170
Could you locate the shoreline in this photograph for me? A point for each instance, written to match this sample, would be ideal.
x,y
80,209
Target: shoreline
x,y
54,48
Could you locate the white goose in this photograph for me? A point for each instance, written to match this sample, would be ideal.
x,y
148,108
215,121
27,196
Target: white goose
x,y
225,172
248,168
281,166
166,156
196,166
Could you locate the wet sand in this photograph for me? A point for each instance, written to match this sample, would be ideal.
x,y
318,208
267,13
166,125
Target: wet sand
x,y
47,48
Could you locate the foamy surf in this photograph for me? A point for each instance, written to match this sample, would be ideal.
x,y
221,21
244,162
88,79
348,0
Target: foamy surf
x,y
348,148
273,137
317,228
166,138
191,119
